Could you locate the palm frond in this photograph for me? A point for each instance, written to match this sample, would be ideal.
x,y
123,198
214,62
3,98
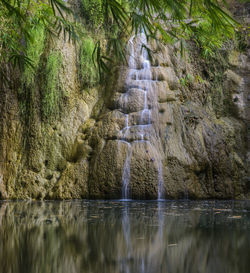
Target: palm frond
x,y
20,60
60,6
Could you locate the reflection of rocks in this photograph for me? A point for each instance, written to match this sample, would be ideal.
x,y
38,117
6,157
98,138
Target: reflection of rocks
x,y
141,237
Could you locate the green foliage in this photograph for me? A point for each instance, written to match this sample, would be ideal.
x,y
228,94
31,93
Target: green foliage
x,y
52,92
198,79
24,26
88,71
185,81
189,79
93,13
34,51
209,38
19,18
242,37
204,21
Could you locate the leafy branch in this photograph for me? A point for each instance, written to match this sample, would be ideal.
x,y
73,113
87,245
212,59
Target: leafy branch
x,y
18,18
168,21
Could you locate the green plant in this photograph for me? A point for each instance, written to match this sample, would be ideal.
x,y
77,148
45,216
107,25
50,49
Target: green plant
x,y
198,79
185,81
52,92
242,37
18,21
209,38
204,21
88,71
93,13
167,21
34,51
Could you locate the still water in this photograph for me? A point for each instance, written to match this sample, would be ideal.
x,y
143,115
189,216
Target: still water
x,y
125,237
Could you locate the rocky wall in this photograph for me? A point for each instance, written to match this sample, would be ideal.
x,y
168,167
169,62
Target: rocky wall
x,y
199,133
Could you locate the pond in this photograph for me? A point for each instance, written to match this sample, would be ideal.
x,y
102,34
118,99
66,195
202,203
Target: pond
x,y
125,237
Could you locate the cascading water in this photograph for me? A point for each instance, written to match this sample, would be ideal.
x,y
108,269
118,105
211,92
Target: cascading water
x,y
160,181
141,75
126,174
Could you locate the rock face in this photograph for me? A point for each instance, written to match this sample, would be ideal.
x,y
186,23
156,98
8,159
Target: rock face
x,y
135,143
181,144
161,130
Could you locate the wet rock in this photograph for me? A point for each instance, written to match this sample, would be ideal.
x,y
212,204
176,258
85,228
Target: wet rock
x,y
131,101
138,132
234,81
107,168
166,114
144,171
31,185
72,183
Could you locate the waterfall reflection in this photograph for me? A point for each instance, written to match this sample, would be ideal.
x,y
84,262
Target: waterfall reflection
x,y
125,237
126,231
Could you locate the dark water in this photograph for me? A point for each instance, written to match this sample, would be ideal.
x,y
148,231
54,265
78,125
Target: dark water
x,y
129,237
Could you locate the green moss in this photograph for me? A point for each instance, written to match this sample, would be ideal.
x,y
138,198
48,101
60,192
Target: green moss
x,y
52,92
88,71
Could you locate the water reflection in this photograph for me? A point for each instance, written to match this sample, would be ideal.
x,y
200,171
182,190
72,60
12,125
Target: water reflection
x,y
124,237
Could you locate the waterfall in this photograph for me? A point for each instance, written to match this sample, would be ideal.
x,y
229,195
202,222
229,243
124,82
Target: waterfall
x,y
126,174
160,181
140,73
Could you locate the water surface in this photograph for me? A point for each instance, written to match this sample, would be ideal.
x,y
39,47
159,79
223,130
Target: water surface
x,y
129,237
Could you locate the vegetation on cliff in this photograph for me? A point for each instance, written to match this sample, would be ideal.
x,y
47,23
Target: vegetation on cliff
x,y
20,22
100,30
203,21
60,123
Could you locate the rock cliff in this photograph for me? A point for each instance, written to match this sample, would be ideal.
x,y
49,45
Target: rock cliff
x,y
194,143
